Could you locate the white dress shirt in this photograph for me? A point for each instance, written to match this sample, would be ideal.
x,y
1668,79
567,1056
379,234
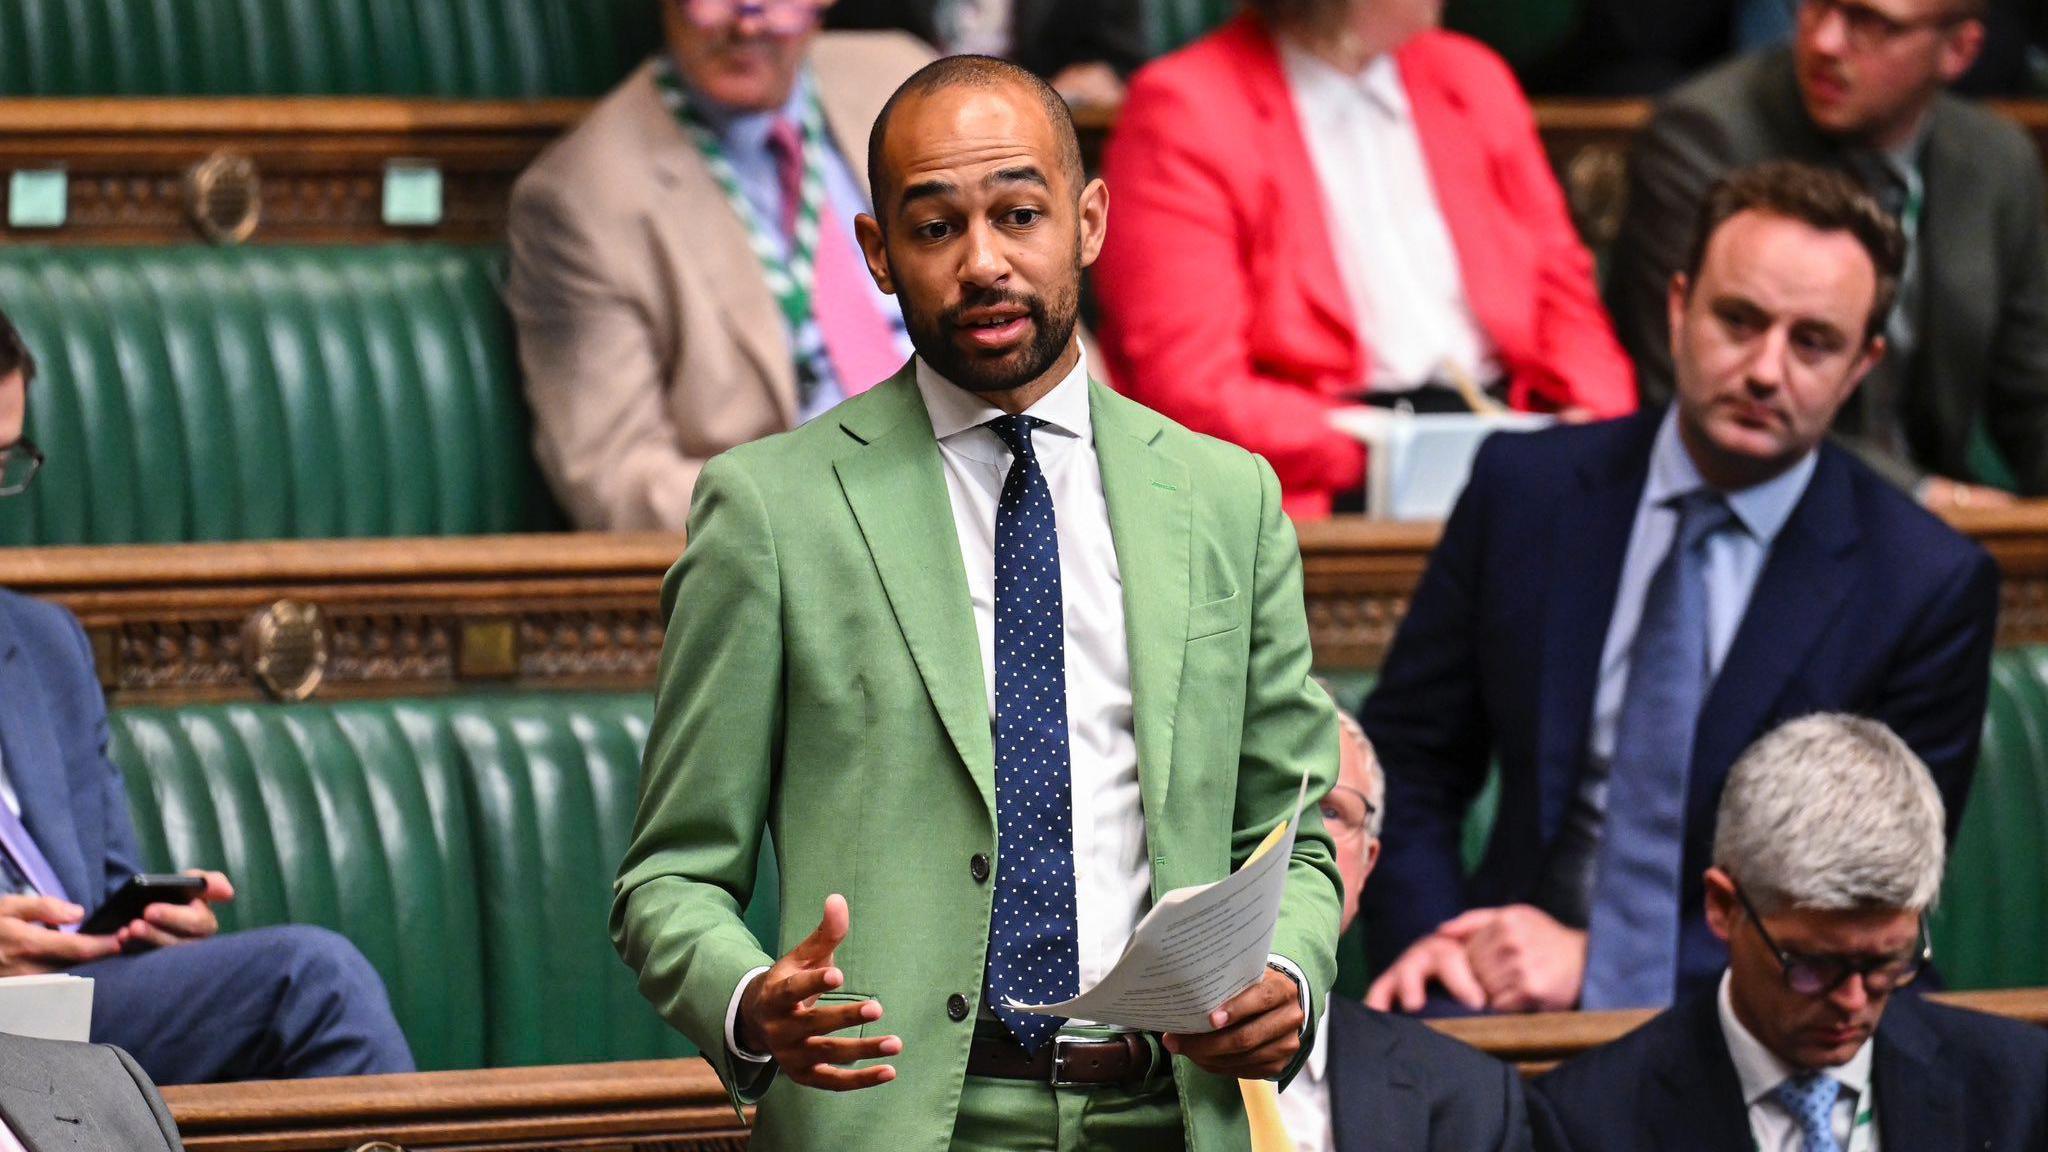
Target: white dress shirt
x,y
1305,1106
1393,247
1761,1071
9,1142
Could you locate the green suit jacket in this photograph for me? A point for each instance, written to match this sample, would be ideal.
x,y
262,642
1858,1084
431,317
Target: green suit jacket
x,y
822,682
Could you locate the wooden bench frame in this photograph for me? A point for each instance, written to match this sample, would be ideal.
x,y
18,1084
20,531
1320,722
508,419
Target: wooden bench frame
x,y
177,624
163,171
678,1105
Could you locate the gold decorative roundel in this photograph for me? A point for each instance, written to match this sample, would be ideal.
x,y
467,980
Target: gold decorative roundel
x,y
224,194
285,648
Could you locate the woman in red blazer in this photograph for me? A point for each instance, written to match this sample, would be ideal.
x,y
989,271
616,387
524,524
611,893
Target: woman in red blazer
x,y
1222,301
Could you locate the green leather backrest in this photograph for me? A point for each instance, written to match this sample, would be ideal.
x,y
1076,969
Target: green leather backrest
x,y
471,49
204,394
466,845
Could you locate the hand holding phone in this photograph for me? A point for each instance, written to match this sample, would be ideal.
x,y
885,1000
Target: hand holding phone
x,y
132,901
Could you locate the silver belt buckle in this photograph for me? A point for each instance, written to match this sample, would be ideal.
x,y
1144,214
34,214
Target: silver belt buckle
x,y
1060,1042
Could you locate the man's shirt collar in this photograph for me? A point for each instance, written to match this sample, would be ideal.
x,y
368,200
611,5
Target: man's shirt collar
x,y
956,412
1761,1070
1762,508
746,132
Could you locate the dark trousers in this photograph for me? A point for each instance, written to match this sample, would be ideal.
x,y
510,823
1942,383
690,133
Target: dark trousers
x,y
267,1004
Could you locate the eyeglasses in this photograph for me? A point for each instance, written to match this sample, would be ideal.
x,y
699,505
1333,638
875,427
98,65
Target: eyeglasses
x,y
777,17
1346,812
19,463
1865,27
1820,975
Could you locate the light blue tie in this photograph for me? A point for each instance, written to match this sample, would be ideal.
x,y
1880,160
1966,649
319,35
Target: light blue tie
x,y
1033,947
1632,929
1810,1099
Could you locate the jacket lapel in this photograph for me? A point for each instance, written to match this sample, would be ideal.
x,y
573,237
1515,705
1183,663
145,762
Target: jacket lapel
x,y
704,230
1375,1098
1460,174
1797,597
1299,219
35,766
1588,547
1693,1102
1915,1095
1150,511
896,486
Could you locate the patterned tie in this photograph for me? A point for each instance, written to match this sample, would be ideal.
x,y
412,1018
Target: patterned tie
x,y
1632,954
1809,1099
859,341
1033,955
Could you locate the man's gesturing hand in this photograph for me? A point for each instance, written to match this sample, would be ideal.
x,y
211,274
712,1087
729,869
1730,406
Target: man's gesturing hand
x,y
1258,1032
780,1014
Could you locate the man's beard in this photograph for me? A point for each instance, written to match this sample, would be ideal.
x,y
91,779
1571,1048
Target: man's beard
x,y
1052,330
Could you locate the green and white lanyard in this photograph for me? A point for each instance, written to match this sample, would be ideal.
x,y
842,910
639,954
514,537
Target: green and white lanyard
x,y
790,278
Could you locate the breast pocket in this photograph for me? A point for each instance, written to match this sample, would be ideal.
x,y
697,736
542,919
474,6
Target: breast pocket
x,y
1215,616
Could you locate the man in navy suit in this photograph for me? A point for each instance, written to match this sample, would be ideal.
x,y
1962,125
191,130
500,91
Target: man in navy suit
x,y
1615,611
1827,856
1374,1081
190,1006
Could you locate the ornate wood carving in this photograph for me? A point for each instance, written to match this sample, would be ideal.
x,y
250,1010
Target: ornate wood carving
x,y
582,611
678,1105
322,161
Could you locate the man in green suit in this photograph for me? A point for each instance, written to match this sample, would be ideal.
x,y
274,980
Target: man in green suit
x,y
998,657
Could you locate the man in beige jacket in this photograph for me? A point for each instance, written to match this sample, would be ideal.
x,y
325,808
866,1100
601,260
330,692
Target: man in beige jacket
x,y
684,272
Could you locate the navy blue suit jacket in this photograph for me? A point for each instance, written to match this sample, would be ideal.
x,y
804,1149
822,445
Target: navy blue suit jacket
x,y
53,738
1398,1085
1946,1081
1867,604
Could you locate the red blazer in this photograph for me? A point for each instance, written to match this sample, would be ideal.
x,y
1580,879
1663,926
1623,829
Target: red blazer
x,y
1222,306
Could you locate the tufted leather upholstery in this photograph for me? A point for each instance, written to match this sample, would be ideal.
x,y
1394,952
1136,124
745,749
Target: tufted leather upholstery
x,y
467,846
447,48
194,394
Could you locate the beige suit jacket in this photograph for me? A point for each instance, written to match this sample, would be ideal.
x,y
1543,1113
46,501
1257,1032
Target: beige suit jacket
x,y
649,339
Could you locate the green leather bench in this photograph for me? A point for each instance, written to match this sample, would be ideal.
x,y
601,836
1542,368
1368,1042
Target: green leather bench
x,y
475,49
468,846
202,394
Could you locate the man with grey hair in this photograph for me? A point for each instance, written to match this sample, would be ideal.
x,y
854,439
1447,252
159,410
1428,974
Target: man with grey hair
x,y
1827,857
1376,1081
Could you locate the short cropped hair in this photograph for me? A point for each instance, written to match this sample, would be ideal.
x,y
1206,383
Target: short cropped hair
x,y
1820,198
14,353
1832,813
974,72
1349,730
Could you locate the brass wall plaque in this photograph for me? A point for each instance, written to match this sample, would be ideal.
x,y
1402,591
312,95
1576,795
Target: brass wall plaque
x,y
285,648
490,649
224,195
1596,183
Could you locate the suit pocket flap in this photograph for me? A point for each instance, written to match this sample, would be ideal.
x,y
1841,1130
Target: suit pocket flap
x,y
1215,616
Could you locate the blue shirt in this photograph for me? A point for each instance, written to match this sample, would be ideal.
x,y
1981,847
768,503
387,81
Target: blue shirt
x,y
744,138
1733,560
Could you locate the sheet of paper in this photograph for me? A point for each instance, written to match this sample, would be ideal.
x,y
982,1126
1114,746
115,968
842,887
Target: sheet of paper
x,y
1196,948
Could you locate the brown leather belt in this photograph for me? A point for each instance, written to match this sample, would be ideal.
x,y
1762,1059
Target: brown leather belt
x,y
1123,1058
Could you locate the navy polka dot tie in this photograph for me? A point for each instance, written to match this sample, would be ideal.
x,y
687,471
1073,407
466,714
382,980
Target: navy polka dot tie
x,y
1810,1099
1032,954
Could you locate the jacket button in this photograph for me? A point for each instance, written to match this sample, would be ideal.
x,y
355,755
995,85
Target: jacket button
x,y
956,1007
978,867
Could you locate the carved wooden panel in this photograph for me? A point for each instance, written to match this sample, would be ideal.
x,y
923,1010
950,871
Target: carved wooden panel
x,y
321,161
410,617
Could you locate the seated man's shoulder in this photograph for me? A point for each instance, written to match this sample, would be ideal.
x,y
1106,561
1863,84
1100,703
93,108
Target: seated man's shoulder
x,y
583,166
1898,528
39,624
2013,1051
1746,103
1553,454
1999,154
1604,1075
880,59
1452,1064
